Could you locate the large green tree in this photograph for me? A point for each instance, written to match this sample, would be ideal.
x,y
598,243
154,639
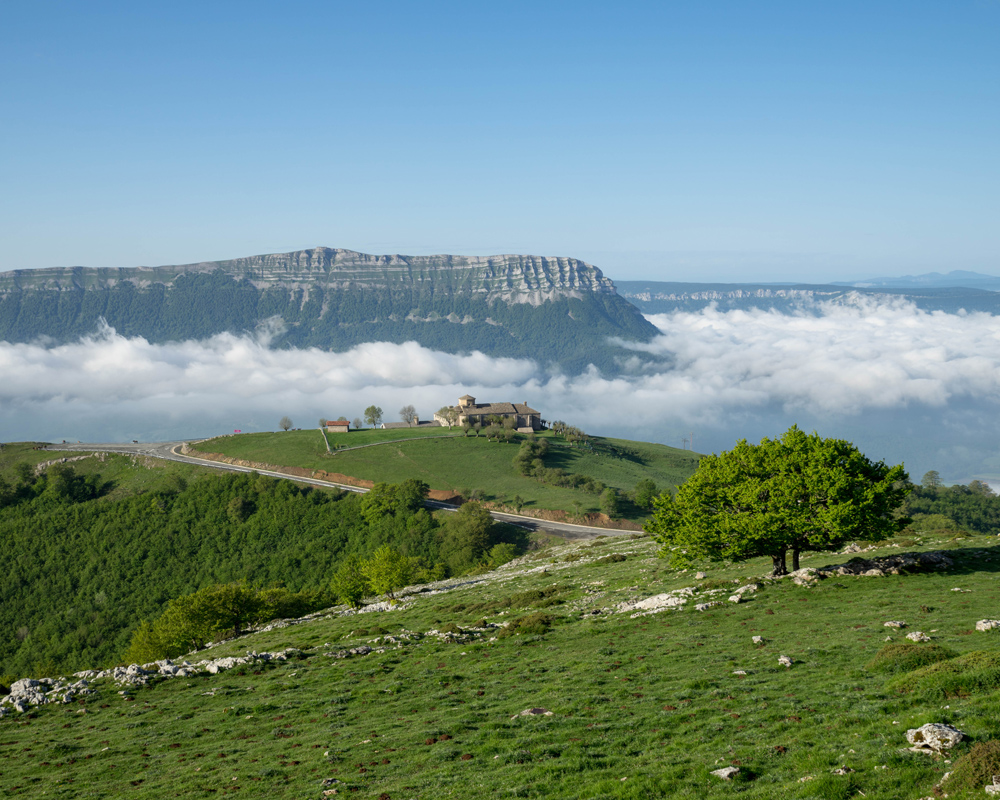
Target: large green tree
x,y
797,493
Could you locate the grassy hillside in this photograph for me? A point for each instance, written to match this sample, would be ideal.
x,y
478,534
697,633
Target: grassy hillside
x,y
120,474
642,707
461,463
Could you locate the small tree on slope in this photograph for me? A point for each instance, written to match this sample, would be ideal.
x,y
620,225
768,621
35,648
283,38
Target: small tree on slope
x,y
800,492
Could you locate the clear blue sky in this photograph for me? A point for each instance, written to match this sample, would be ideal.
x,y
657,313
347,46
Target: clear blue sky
x,y
662,140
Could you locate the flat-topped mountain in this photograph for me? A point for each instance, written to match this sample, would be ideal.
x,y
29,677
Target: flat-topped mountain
x,y
559,311
516,278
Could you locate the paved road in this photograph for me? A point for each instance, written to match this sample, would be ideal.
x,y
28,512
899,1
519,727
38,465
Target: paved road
x,y
170,452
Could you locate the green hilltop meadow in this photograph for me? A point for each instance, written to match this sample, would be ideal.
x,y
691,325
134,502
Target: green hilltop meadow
x,y
455,463
524,666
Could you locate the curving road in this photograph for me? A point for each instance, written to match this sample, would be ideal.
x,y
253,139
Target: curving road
x,y
169,452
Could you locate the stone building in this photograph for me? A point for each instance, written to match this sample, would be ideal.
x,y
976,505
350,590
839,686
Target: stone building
x,y
468,410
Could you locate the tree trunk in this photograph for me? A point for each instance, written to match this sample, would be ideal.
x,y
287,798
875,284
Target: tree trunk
x,y
778,565
795,559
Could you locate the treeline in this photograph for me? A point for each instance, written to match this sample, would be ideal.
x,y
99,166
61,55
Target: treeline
x,y
973,506
571,332
79,569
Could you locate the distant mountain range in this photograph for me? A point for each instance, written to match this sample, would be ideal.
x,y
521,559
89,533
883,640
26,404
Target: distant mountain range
x,y
955,279
663,297
559,311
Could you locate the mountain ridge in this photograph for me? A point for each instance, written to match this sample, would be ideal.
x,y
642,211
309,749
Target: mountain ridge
x,y
560,312
524,278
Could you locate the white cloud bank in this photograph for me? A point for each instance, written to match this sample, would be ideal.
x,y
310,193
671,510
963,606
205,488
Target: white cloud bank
x,y
842,359
718,370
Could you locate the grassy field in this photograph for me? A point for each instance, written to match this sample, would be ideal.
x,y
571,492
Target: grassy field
x,y
462,464
118,473
642,707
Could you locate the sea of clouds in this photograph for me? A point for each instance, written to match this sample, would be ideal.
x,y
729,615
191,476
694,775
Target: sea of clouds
x,y
904,384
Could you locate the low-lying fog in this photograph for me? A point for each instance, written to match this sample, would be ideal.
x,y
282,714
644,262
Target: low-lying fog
x,y
903,384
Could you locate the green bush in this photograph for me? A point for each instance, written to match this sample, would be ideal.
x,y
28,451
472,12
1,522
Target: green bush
x,y
387,571
349,584
532,624
282,603
975,769
907,656
644,494
614,558
190,622
931,522
972,673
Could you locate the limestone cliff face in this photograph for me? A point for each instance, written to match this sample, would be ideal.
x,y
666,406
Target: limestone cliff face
x,y
512,278
560,312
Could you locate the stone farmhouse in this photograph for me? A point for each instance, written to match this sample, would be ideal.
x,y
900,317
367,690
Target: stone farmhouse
x,y
468,410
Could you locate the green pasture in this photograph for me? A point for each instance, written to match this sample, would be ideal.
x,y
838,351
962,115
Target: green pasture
x,y
464,464
305,448
642,707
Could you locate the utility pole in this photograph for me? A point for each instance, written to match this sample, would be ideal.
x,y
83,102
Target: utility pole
x,y
684,443
692,440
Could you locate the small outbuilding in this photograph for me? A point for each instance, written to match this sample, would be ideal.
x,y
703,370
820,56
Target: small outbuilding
x,y
338,425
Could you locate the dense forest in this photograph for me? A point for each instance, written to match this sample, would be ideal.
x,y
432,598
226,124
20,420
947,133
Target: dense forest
x,y
973,507
83,563
568,332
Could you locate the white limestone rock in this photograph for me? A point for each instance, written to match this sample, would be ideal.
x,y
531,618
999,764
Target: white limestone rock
x,y
934,737
726,773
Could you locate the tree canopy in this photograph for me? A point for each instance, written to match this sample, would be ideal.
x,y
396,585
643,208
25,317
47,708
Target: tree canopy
x,y
797,493
373,415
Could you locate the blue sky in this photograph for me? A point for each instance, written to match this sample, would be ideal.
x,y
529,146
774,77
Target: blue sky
x,y
724,141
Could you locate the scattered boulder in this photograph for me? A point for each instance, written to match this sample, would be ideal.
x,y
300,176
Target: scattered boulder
x,y
934,737
534,712
726,773
843,771
806,576
700,576
876,567
918,636
363,650
894,623
704,606
735,598
987,624
785,661
758,640
658,602
28,692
